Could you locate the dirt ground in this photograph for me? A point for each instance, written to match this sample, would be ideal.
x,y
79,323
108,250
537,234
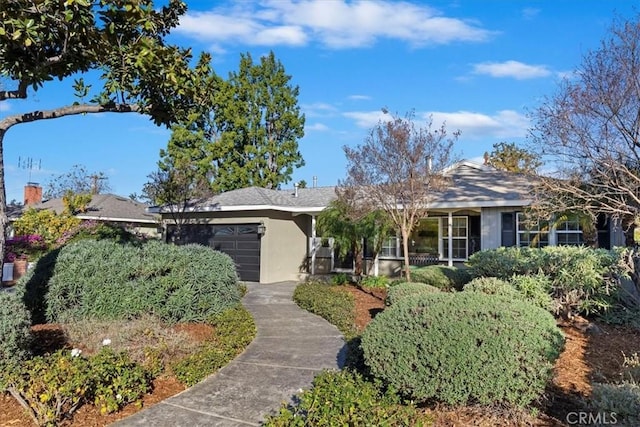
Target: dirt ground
x,y
587,358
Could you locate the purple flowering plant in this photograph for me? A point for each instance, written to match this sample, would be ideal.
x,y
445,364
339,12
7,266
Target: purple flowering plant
x,y
28,247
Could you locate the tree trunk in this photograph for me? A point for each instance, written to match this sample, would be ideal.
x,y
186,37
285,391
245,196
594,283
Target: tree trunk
x,y
405,246
3,202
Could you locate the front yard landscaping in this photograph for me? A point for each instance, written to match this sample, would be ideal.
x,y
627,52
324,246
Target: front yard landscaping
x,y
595,373
118,326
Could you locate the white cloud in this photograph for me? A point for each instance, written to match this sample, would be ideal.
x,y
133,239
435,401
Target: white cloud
x,y
367,119
334,24
318,109
319,127
502,124
359,97
513,69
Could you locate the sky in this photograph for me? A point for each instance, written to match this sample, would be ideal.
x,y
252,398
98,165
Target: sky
x,y
480,67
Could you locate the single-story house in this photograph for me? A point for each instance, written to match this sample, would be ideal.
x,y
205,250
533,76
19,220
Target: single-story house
x,y
271,234
110,208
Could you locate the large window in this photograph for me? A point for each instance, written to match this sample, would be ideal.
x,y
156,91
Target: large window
x,y
535,235
424,239
568,232
459,236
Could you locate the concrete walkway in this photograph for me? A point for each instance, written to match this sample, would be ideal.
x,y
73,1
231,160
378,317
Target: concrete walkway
x,y
291,347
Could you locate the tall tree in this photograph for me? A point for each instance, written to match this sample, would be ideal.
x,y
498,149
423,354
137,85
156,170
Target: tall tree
x,y
183,174
258,121
77,181
510,157
398,169
590,131
122,40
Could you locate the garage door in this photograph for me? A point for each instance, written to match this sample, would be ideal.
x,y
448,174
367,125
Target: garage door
x,y
240,241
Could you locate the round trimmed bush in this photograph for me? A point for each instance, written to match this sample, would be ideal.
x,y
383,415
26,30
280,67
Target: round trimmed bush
x,y
465,347
403,290
109,280
492,286
442,277
15,330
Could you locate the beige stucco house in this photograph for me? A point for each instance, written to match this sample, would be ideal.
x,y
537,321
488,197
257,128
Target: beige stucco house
x,y
271,233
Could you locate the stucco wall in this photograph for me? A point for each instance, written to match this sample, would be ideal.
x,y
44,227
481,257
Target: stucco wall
x,y
491,227
283,247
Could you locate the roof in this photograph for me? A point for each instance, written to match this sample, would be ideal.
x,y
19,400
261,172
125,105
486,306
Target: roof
x,y
477,186
107,207
307,200
473,186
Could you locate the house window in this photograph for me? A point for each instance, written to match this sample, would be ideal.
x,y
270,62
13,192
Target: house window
x,y
389,247
568,232
459,237
531,235
424,238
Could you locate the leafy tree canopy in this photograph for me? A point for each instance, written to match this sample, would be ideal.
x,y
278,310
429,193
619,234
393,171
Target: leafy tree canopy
x,y
510,157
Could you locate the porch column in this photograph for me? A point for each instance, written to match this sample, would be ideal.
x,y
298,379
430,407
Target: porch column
x,y
450,238
313,245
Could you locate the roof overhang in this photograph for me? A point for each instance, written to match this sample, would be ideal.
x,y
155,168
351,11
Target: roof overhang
x,y
244,208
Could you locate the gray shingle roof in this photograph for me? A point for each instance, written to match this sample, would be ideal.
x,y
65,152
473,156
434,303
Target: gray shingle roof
x,y
308,199
106,207
473,185
476,185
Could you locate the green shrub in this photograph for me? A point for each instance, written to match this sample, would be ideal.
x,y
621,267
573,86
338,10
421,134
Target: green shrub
x,y
621,315
108,280
622,400
15,331
492,286
464,347
51,387
339,279
117,381
406,289
344,398
535,289
581,278
54,386
333,304
234,330
442,277
374,282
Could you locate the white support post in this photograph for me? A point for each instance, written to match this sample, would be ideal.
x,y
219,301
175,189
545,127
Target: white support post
x,y
450,237
313,245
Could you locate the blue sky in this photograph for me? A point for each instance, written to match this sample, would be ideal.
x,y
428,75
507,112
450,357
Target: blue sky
x,y
478,66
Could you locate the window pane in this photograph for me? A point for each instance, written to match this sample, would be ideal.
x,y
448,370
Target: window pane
x,y
424,239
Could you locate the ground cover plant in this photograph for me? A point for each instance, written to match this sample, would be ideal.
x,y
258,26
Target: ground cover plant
x,y
333,303
442,277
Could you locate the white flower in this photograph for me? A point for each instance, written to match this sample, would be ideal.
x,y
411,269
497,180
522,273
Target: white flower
x,y
76,352
118,396
106,341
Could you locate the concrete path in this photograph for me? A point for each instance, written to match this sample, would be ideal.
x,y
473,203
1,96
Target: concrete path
x,y
291,347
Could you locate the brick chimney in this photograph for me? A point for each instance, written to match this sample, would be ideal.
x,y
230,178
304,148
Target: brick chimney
x,y
32,194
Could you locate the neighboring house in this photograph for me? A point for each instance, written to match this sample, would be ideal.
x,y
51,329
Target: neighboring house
x,y
108,208
271,233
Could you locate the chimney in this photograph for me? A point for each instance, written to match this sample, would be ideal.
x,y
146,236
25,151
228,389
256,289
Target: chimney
x,y
295,188
32,194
